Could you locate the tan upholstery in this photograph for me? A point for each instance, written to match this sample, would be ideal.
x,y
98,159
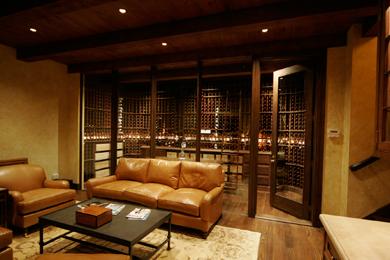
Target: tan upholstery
x,y
32,195
114,190
184,200
83,257
147,194
132,169
164,172
193,191
5,241
204,176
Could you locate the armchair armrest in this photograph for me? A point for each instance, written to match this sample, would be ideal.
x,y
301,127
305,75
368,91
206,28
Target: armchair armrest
x,y
58,184
17,197
211,205
91,183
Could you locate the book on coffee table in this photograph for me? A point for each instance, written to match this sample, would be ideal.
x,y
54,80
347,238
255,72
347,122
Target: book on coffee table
x,y
138,214
116,208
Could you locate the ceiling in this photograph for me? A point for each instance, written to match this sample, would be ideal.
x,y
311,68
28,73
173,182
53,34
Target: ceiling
x,y
92,35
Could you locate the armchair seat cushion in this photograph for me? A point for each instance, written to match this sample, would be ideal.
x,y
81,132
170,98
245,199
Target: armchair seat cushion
x,y
183,200
147,194
5,237
38,199
114,190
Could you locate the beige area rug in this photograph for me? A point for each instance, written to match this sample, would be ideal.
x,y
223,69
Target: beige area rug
x,y
222,243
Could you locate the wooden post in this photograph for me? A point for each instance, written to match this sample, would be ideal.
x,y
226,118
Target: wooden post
x,y
198,109
254,131
114,119
153,111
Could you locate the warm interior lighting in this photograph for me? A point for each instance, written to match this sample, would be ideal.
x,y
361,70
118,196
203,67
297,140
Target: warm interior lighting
x,y
122,10
33,30
164,44
264,30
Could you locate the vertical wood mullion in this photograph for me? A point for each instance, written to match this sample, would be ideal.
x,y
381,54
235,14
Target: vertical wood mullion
x,y
198,109
114,120
153,112
254,131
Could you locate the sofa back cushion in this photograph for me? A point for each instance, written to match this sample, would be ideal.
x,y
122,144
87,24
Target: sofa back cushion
x,y
22,177
133,169
164,172
204,176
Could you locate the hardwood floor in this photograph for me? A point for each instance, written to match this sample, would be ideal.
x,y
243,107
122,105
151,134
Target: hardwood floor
x,y
279,240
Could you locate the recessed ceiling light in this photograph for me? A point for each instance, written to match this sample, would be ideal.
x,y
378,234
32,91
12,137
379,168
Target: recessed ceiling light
x,y
264,30
164,44
33,30
122,10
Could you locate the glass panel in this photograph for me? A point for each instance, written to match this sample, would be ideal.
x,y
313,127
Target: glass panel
x,y
291,137
97,129
134,119
176,120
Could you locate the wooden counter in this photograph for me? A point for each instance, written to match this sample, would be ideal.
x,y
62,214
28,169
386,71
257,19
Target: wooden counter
x,y
353,238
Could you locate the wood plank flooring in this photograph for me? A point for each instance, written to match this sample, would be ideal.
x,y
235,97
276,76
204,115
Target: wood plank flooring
x,y
279,240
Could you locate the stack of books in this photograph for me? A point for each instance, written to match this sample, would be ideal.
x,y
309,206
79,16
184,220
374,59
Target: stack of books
x,y
138,214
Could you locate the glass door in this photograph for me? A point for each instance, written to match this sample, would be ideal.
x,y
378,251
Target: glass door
x,y
291,140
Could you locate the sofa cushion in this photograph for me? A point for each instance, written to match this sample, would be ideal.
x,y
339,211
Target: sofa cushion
x,y
113,190
133,169
204,176
183,200
164,172
146,194
39,199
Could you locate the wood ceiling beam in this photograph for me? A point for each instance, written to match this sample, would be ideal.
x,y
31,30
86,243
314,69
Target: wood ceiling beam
x,y
266,49
36,8
282,12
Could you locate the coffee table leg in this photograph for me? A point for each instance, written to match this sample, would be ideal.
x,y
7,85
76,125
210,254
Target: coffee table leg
x,y
169,234
130,251
41,239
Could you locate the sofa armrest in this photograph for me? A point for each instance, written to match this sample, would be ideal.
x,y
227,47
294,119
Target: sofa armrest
x,y
58,184
91,183
211,205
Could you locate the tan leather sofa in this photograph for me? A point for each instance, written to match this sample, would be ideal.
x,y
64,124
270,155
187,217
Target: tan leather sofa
x,y
191,190
32,194
5,241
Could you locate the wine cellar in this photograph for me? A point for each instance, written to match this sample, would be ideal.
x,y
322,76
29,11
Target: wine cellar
x,y
222,135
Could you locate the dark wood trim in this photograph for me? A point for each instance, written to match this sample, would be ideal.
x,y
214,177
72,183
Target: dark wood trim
x,y
284,12
153,111
81,133
114,120
198,109
253,135
13,161
318,139
304,46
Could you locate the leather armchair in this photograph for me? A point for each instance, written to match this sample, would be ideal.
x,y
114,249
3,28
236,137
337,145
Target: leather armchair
x,y
5,241
32,194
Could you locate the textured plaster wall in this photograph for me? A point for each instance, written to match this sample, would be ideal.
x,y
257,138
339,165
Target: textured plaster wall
x,y
39,114
351,107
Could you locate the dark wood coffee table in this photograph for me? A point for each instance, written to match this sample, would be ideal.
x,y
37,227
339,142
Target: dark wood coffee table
x,y
120,230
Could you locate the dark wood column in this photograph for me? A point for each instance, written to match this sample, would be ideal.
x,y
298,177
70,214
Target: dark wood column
x,y
198,109
153,111
254,131
114,119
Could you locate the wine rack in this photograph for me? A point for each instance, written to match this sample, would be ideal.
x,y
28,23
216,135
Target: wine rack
x,y
291,132
134,108
265,134
97,123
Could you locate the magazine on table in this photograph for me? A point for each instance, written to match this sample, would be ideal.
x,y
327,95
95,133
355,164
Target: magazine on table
x,y
138,214
116,208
